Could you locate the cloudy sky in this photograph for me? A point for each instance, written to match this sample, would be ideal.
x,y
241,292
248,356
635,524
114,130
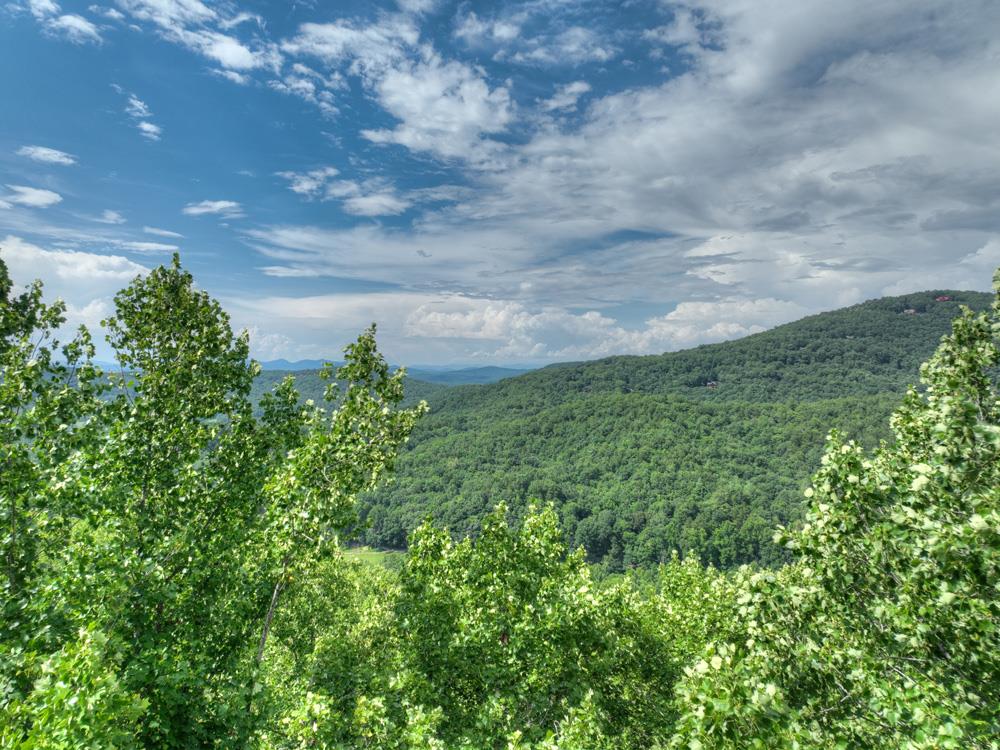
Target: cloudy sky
x,y
502,181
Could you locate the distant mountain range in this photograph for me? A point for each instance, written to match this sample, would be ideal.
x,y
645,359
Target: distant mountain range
x,y
441,375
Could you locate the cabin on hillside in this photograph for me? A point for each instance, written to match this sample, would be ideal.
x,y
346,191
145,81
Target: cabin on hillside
x,y
909,311
711,384
943,298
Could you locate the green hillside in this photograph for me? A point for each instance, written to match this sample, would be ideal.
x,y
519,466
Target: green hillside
x,y
705,449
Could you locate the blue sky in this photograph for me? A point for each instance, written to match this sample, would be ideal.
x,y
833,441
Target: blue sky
x,y
502,182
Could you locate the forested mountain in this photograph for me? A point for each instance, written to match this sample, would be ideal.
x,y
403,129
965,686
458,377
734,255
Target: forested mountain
x,y
466,375
702,450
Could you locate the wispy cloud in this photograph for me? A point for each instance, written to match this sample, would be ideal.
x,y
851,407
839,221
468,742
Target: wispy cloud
x,y
566,97
69,26
140,113
137,108
201,28
225,209
23,195
109,217
150,247
149,130
162,232
312,183
46,155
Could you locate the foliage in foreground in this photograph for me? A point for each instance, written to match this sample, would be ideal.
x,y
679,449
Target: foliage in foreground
x,y
151,525
171,575
502,642
886,631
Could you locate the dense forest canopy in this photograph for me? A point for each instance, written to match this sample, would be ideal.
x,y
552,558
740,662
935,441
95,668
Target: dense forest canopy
x,y
702,450
173,576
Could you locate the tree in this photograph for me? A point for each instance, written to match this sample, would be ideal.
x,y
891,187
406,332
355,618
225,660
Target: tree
x,y
886,631
172,513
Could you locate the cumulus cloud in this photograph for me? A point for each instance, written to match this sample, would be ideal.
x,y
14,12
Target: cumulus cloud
x,y
444,107
46,155
225,209
86,281
516,331
368,49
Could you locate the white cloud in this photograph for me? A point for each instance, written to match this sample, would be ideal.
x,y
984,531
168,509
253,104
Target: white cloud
x,y
169,14
150,247
108,272
384,203
111,13
241,18
74,28
369,198
566,97
241,79
22,195
265,346
683,31
43,8
444,107
305,83
137,108
370,50
512,330
46,155
312,183
162,232
149,130
110,217
574,46
477,32
69,26
510,35
225,209
417,6
140,112
86,281
189,23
